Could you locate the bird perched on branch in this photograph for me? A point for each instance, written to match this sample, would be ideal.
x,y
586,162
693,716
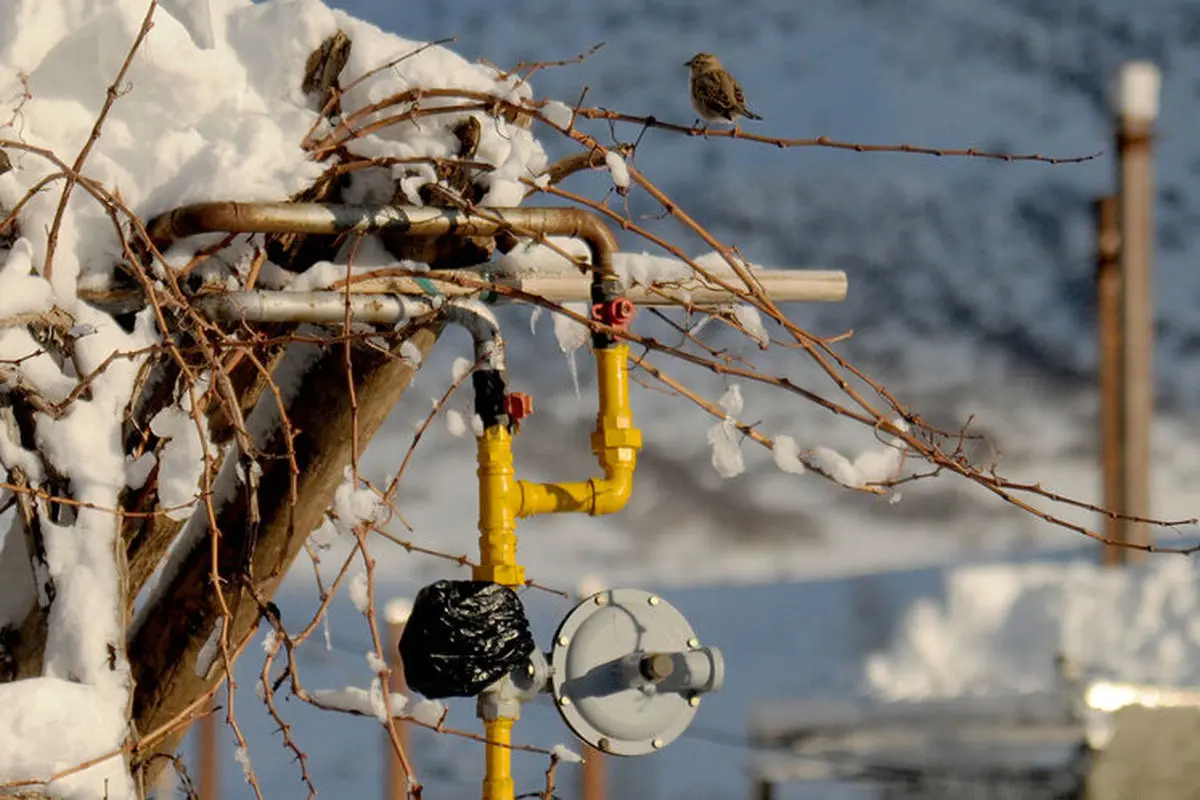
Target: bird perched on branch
x,y
716,96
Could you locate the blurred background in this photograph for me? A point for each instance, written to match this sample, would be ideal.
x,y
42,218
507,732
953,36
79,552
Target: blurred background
x,y
971,296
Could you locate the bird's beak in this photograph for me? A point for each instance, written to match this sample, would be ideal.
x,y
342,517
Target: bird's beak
x,y
687,63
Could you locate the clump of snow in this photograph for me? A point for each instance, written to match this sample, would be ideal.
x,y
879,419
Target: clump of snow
x,y
1000,628
477,425
642,268
378,706
559,114
725,438
872,466
618,170
564,753
181,461
749,318
270,642
357,590
460,367
376,663
429,712
242,756
52,724
533,258
411,353
137,470
21,291
15,576
357,700
354,504
455,423
787,455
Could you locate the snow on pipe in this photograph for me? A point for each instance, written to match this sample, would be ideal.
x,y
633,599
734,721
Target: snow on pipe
x,y
484,328
332,218
329,308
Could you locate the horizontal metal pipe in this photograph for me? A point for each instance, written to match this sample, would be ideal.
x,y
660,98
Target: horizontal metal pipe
x,y
322,308
333,218
329,308
782,286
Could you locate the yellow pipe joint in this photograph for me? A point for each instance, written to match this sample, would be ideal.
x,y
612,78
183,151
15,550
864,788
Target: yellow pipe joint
x,y
497,778
498,495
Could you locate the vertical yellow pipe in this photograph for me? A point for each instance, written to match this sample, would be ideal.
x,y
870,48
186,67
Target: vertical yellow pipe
x,y
615,444
612,378
498,494
498,781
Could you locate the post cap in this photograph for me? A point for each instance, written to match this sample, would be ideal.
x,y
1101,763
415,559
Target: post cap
x,y
1138,86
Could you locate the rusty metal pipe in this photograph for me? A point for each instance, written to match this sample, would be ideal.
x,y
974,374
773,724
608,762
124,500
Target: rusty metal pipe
x,y
332,219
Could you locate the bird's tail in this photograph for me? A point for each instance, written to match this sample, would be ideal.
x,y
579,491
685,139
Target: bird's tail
x,y
748,114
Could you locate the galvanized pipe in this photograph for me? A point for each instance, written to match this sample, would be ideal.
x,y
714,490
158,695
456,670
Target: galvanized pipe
x,y
322,308
329,308
332,219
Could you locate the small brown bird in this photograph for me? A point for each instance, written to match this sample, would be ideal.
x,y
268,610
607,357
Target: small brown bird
x,y
716,96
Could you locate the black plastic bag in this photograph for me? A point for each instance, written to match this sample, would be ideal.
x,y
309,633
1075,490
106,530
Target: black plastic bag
x,y
462,636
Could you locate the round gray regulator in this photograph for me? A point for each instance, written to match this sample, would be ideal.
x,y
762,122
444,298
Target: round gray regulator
x,y
627,672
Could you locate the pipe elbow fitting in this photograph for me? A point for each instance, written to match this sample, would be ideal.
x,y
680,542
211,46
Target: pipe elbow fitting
x,y
610,494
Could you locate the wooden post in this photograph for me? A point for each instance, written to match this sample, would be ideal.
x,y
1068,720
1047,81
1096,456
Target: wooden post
x,y
592,775
395,783
208,783
1137,108
592,782
1108,366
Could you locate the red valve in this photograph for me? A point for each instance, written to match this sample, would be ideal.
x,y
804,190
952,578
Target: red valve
x,y
518,406
616,313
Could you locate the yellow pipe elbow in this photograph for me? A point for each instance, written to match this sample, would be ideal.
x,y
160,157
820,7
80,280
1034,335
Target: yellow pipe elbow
x,y
615,443
613,492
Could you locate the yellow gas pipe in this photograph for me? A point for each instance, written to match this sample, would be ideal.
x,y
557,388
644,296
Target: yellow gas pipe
x,y
498,781
502,499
